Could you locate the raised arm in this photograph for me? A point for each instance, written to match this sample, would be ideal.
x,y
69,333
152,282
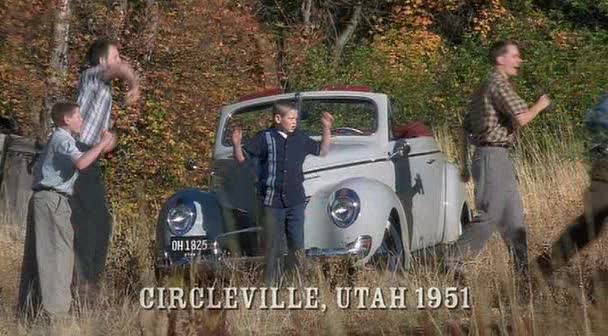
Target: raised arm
x,y
513,105
124,71
87,158
327,121
111,145
237,136
524,118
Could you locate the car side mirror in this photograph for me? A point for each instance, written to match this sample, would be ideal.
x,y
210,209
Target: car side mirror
x,y
191,164
401,150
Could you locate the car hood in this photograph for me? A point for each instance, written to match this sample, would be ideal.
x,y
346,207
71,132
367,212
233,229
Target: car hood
x,y
342,153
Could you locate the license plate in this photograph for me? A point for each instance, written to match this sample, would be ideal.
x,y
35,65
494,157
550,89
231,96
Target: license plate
x,y
190,244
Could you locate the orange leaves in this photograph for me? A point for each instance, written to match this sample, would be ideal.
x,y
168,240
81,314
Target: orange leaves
x,y
204,57
486,18
566,39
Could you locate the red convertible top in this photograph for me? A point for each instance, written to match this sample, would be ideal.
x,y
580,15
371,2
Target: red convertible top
x,y
413,129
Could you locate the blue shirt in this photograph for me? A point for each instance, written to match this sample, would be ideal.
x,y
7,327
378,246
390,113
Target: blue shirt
x,y
596,122
280,176
55,167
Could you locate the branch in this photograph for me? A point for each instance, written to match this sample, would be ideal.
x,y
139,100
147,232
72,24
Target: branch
x,y
306,12
347,34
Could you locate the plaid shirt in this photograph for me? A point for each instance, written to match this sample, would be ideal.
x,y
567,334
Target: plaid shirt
x,y
95,100
490,118
55,168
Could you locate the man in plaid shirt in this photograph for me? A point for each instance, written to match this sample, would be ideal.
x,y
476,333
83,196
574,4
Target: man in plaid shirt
x,y
495,115
91,218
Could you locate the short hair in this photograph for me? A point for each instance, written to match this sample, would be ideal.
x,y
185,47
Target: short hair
x,y
100,48
499,48
282,108
62,109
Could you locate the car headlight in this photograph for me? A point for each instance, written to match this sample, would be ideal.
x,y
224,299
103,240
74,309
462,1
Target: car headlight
x,y
344,207
181,218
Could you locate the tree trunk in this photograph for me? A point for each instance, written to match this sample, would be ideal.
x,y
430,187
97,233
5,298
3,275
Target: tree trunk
x,y
306,13
269,64
347,34
152,15
58,66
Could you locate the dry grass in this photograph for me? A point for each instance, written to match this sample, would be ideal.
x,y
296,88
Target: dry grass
x,y
551,185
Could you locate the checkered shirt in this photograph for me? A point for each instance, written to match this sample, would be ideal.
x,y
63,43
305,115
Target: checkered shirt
x,y
95,100
493,107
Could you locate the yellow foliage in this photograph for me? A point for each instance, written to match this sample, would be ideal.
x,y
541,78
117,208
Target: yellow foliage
x,y
487,17
409,49
565,39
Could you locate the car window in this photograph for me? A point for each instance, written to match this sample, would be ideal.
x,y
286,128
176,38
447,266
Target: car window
x,y
357,117
251,120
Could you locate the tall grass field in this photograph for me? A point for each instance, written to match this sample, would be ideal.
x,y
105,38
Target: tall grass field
x,y
553,177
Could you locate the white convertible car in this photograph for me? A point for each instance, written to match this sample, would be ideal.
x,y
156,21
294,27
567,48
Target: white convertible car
x,y
372,195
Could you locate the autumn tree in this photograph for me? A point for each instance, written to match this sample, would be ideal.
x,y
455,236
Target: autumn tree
x,y
58,66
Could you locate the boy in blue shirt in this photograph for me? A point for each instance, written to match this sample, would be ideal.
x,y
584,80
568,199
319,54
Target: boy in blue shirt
x,y
281,151
48,259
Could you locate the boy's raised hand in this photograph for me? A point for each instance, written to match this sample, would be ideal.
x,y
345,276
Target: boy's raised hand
x,y
237,136
132,95
327,120
110,141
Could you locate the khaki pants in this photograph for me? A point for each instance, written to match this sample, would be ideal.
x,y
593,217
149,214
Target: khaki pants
x,y
92,224
500,208
48,258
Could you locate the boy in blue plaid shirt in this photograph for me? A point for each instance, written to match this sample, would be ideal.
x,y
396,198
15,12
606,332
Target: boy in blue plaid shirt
x,y
48,257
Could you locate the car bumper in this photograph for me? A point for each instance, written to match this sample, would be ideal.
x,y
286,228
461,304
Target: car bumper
x,y
217,262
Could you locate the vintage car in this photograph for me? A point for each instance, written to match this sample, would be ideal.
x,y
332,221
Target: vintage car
x,y
373,195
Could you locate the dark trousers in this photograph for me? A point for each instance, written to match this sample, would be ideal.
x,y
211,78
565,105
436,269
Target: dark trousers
x,y
92,224
583,231
284,232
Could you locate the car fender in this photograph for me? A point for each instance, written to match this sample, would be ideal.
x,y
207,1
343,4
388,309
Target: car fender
x,y
378,202
208,220
455,201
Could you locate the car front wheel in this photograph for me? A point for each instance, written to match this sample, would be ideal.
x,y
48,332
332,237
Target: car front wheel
x,y
390,255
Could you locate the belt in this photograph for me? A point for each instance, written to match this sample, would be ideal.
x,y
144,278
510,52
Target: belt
x,y
51,189
488,144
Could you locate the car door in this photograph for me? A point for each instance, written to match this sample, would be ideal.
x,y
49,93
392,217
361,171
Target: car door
x,y
419,186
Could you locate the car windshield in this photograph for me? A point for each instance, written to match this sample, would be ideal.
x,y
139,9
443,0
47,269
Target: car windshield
x,y
353,117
